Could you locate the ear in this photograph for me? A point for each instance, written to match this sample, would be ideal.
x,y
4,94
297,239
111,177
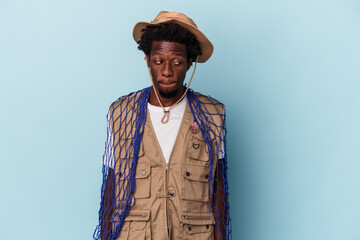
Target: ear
x,y
189,63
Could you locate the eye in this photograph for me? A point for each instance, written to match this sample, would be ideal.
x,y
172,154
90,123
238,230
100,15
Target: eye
x,y
178,62
157,61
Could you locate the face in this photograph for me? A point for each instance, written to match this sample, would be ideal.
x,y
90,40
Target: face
x,y
168,65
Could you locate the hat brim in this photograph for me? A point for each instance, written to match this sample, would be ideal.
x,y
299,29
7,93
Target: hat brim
x,y
206,46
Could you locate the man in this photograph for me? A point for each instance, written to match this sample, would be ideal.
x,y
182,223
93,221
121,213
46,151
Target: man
x,y
165,162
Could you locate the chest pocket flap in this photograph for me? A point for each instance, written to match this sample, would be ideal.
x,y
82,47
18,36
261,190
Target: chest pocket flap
x,y
197,148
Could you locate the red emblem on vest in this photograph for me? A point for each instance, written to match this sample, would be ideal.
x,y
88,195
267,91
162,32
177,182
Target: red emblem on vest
x,y
194,128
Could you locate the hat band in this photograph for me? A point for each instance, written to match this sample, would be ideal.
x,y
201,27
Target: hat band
x,y
164,19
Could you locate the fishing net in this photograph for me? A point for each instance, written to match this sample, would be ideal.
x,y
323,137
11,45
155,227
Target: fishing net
x,y
126,120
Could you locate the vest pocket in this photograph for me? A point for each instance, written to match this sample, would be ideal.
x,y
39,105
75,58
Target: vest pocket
x,y
127,146
195,185
136,226
124,232
142,181
196,149
199,226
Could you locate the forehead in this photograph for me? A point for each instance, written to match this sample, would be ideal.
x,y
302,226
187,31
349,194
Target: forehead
x,y
168,48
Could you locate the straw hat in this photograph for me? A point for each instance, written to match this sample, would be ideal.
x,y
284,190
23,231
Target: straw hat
x,y
184,21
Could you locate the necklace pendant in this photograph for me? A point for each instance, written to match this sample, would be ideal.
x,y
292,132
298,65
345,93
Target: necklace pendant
x,y
165,118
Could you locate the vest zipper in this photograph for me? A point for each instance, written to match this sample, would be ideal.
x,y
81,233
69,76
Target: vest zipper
x,y
165,200
137,214
197,218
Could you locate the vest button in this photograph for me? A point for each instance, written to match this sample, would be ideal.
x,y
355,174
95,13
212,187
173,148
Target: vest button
x,y
171,194
189,228
143,172
207,226
206,176
187,173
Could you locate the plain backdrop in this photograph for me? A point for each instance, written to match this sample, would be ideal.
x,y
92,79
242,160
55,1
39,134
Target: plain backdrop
x,y
287,71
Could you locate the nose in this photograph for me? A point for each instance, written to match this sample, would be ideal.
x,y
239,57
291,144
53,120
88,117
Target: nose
x,y
167,70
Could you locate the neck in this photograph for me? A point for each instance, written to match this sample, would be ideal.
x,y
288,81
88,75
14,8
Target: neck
x,y
166,102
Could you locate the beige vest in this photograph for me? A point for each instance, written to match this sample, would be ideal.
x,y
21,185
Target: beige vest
x,y
171,201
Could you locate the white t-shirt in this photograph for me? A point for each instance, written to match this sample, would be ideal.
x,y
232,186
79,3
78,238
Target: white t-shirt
x,y
166,133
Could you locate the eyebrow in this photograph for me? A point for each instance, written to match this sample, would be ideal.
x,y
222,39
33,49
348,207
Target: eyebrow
x,y
159,53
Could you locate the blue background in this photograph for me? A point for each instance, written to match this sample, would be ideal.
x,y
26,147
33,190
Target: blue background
x,y
288,72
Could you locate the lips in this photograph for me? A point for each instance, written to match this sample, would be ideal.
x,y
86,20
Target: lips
x,y
166,83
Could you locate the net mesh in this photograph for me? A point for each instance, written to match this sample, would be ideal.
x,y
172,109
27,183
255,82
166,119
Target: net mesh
x,y
125,132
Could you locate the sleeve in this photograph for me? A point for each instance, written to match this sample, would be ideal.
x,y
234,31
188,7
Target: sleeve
x,y
221,150
108,157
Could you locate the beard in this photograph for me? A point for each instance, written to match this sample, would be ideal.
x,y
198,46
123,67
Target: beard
x,y
168,94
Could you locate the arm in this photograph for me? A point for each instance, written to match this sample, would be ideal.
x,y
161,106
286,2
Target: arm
x,y
107,207
218,206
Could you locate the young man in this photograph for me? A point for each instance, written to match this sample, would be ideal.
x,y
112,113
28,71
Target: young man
x,y
165,161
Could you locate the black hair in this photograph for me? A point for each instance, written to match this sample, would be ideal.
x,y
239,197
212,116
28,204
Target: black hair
x,y
171,32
